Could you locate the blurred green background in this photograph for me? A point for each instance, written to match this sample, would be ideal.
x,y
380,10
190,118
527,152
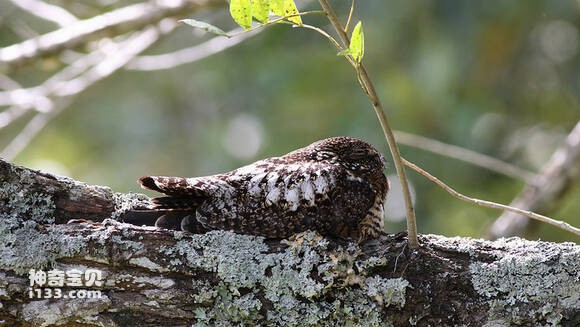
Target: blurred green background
x,y
497,77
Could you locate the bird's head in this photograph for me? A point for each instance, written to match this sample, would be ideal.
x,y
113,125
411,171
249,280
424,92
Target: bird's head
x,y
356,156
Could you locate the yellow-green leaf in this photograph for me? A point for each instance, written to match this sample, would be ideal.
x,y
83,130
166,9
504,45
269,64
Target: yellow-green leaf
x,y
277,7
260,10
204,26
241,11
357,43
285,8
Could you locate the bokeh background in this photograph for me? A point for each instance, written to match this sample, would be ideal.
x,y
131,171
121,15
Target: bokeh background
x,y
498,77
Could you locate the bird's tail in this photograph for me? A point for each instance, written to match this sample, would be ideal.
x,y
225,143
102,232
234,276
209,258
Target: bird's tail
x,y
181,194
174,186
175,211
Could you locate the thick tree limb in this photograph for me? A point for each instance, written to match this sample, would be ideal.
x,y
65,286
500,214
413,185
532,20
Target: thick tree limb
x,y
157,277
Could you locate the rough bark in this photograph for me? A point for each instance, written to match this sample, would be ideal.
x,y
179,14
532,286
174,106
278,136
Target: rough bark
x,y
164,278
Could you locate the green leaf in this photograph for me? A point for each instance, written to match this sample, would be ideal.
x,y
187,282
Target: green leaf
x,y
241,11
357,43
204,26
260,10
284,8
277,7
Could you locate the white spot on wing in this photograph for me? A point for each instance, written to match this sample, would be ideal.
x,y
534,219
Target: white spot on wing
x,y
273,196
292,198
307,190
287,179
272,179
320,184
254,188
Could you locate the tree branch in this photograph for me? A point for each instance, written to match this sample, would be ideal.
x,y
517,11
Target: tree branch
x,y
188,55
65,85
463,154
112,23
488,204
541,195
158,277
43,10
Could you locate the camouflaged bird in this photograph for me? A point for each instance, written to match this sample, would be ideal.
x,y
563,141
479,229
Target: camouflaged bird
x,y
335,186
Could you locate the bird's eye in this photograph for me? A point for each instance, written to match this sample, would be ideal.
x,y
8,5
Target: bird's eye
x,y
358,154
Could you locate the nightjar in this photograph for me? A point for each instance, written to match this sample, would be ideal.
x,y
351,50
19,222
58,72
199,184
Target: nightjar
x,y
335,186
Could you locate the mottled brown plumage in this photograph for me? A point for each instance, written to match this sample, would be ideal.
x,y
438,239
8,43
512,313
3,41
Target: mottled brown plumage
x,y
335,186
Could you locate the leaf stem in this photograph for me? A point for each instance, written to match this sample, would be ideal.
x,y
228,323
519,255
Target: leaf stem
x,y
369,89
351,11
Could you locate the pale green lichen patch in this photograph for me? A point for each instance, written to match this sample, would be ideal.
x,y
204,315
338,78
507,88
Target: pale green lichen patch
x,y
116,234
292,283
19,204
242,261
125,202
542,275
24,211
76,189
35,246
24,248
387,291
147,263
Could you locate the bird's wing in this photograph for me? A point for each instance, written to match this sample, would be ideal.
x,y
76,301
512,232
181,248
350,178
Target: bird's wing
x,y
271,199
184,193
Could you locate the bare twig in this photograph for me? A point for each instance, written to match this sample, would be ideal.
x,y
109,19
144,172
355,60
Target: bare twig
x,y
551,182
67,81
65,90
8,116
349,19
369,89
43,10
488,204
8,83
13,113
187,55
463,154
32,128
116,22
